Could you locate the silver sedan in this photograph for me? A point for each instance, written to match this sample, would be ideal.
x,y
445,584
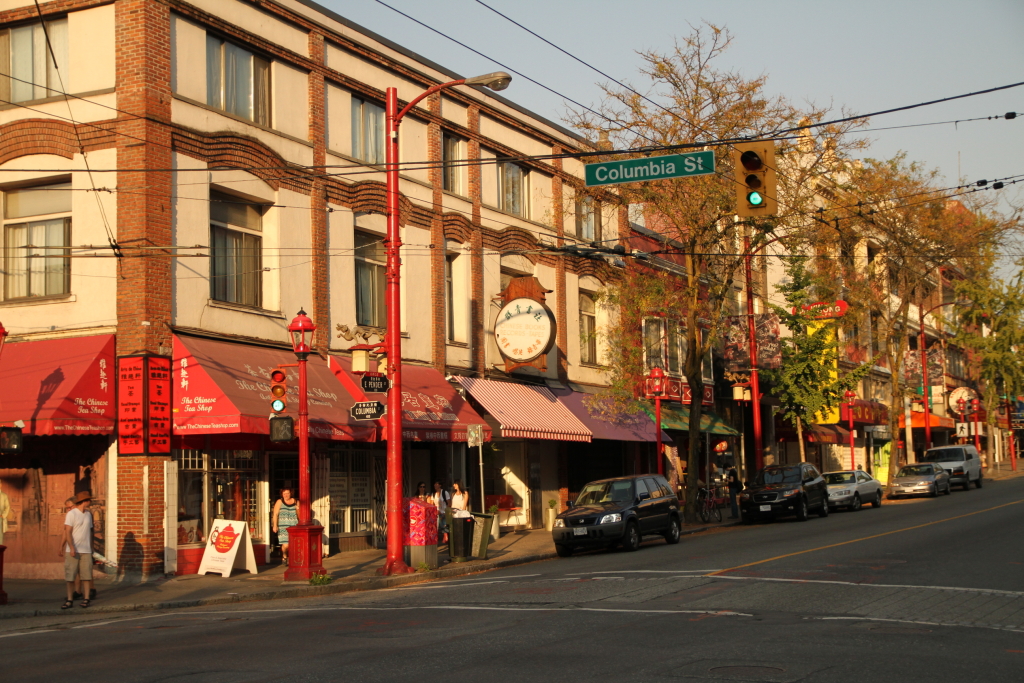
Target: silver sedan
x,y
922,479
852,489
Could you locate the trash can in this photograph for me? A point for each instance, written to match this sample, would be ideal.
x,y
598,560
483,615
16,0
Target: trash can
x,y
460,539
482,534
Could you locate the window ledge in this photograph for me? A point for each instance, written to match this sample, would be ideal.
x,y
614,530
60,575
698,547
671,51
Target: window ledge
x,y
549,228
377,167
39,300
594,366
457,344
57,98
233,117
242,308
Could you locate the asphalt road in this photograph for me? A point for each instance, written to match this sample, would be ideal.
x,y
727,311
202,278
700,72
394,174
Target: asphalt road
x,y
925,590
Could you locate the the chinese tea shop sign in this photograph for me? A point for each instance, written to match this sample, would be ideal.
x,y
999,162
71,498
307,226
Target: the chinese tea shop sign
x,y
228,547
524,330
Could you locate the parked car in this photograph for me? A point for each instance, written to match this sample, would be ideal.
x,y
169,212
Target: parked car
x,y
922,479
961,462
852,489
619,511
782,490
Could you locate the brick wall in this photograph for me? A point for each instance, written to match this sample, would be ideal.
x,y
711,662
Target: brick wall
x,y
320,310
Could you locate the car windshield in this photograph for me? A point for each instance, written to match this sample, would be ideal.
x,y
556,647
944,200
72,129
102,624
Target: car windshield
x,y
606,492
839,478
915,471
779,475
944,455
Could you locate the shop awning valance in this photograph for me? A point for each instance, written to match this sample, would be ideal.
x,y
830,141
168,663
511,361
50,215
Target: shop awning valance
x,y
59,386
815,433
432,409
935,421
605,423
526,411
224,388
679,419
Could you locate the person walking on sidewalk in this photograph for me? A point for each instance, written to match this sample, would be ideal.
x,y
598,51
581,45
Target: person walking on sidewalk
x,y
440,500
68,505
285,516
734,491
78,549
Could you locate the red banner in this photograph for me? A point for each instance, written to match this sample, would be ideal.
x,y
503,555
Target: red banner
x,y
131,405
158,403
676,389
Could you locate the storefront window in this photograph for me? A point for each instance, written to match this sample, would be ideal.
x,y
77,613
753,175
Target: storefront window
x,y
218,485
349,490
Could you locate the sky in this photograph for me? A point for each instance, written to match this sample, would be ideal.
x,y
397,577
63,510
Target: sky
x,y
866,56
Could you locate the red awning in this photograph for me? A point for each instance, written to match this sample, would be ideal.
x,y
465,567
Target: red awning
x,y
606,423
59,386
935,421
526,411
815,433
223,388
432,409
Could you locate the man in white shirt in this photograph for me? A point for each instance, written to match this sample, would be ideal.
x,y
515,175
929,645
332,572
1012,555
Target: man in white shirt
x,y
78,548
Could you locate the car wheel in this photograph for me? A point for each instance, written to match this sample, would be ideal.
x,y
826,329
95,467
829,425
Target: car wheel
x,y
563,550
801,510
934,493
877,502
672,534
978,483
631,540
949,489
823,512
967,485
856,504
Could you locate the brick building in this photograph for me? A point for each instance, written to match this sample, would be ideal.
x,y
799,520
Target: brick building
x,y
178,179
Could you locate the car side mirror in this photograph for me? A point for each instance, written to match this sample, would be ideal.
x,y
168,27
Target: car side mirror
x,y
570,505
644,496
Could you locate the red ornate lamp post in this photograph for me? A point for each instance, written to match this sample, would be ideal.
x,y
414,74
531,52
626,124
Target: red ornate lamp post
x,y
975,407
851,396
305,558
656,385
394,564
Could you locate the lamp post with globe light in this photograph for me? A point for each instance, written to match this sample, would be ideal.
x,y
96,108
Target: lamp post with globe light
x,y
851,398
656,385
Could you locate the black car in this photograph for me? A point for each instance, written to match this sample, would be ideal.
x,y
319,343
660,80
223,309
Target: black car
x,y
617,511
782,490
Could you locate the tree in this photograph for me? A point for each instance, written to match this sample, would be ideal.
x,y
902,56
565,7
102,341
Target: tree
x,y
808,382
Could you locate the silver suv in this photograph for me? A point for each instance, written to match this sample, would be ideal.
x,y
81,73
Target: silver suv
x,y
962,463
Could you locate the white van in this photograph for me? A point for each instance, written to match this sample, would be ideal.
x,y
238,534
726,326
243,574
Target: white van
x,y
962,463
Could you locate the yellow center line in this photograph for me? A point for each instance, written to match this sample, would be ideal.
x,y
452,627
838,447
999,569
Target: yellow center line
x,y
858,540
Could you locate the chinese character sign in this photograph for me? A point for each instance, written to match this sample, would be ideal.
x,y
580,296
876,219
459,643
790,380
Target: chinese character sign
x,y
143,405
159,405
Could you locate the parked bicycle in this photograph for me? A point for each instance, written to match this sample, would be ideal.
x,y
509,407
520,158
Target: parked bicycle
x,y
707,507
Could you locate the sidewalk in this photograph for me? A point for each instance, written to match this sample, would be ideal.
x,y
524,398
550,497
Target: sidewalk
x,y
352,571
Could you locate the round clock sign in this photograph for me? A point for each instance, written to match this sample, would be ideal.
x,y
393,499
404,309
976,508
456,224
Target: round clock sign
x,y
524,330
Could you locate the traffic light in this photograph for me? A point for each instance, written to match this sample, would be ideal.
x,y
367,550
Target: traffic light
x,y
278,391
754,173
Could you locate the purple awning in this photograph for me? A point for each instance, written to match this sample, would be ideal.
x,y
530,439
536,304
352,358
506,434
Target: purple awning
x,y
606,423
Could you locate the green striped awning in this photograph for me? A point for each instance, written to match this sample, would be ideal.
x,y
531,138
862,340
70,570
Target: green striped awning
x,y
679,419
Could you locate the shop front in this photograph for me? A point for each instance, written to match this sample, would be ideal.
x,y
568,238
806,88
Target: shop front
x,y
675,420
60,392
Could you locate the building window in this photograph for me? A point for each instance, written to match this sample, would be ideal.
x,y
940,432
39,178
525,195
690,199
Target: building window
x,y
367,131
218,485
666,346
236,250
588,329
453,157
513,189
676,342
350,491
449,296
654,343
237,81
588,220
37,233
370,267
25,57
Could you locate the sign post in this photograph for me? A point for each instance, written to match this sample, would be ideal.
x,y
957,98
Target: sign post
x,y
475,438
649,168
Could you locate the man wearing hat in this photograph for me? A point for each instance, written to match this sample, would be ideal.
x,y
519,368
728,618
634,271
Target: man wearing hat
x,y
78,548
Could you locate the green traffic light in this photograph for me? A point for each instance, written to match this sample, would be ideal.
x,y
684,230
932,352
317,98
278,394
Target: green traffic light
x,y
755,198
277,405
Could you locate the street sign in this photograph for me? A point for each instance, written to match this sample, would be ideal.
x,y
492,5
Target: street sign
x,y
375,383
650,168
368,410
966,429
474,435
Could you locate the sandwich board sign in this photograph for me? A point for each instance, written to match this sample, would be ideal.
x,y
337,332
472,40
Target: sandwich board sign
x,y
227,537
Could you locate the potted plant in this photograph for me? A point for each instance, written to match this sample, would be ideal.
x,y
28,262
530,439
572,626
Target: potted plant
x,y
550,514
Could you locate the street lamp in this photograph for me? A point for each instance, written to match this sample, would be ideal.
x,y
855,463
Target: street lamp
x,y
656,386
851,396
975,407
394,564
305,558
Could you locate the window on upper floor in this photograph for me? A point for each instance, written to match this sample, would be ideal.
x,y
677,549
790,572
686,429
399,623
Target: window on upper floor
x,y
237,81
26,64
513,189
666,346
449,296
370,268
236,263
588,329
453,155
588,219
367,131
37,233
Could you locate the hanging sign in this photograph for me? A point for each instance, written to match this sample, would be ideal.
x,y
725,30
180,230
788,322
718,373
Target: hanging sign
x,y
158,405
823,310
227,537
131,408
524,329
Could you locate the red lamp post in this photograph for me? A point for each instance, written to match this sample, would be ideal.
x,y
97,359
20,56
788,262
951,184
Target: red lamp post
x,y
851,396
3,594
755,385
961,407
975,407
305,558
394,564
656,384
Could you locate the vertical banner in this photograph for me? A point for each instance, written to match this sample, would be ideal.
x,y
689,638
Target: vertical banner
x,y
131,405
736,342
158,404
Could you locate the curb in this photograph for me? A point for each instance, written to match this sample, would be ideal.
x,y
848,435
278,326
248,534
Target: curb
x,y
367,584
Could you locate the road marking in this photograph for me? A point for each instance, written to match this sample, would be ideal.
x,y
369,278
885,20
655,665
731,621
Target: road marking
x,y
920,623
982,591
648,571
117,621
29,633
487,608
858,540
439,585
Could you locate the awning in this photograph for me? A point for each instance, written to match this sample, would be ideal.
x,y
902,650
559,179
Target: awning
x,y
934,421
223,388
865,412
526,411
815,433
432,409
679,419
606,423
59,386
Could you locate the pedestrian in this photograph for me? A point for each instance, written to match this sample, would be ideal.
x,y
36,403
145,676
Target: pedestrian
x,y
735,487
78,549
284,517
5,510
68,504
421,492
460,500
440,500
